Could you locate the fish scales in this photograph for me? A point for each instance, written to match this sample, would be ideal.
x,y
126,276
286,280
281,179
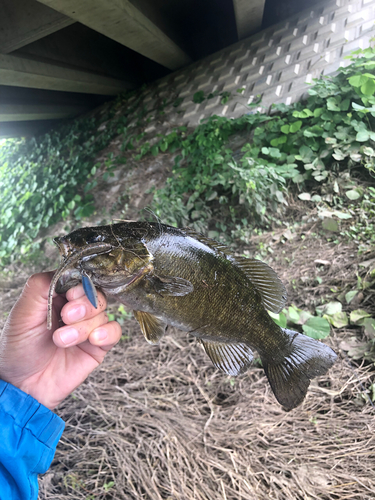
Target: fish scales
x,y
226,304
178,277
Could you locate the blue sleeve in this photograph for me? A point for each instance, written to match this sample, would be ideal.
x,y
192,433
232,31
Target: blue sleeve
x,y
29,433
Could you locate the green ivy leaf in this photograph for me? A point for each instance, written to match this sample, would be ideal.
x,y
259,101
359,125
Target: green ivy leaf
x,y
362,136
295,126
279,319
369,324
314,131
344,106
349,296
293,314
332,104
305,154
368,88
330,308
357,316
305,196
198,97
339,319
357,80
316,328
353,194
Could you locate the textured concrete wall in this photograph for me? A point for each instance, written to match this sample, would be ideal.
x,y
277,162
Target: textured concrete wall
x,y
278,63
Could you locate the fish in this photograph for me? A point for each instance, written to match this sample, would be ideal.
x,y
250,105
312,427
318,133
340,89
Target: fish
x,y
181,278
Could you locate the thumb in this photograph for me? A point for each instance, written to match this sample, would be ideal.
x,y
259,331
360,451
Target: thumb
x,y
30,310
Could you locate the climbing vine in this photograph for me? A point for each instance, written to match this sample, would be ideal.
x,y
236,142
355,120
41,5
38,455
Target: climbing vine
x,y
212,184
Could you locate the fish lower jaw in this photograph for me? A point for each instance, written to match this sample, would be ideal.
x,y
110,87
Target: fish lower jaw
x,y
68,280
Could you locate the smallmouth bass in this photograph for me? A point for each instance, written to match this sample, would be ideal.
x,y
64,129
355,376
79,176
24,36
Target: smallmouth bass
x,y
178,277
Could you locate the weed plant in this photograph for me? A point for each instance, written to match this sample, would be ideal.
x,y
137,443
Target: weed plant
x,y
307,144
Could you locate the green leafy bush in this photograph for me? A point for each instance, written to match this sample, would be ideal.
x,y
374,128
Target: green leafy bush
x,y
212,185
302,143
47,178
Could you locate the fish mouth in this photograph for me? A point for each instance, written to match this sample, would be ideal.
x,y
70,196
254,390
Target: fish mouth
x,y
64,246
67,280
70,258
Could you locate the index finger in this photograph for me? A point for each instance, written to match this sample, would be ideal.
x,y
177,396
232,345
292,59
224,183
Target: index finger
x,y
79,308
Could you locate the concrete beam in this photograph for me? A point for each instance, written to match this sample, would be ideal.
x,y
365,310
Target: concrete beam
x,y
24,112
22,72
121,21
26,129
25,21
249,15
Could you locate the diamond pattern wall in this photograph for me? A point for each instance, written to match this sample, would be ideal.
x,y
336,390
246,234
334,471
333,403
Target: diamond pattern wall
x,y
278,63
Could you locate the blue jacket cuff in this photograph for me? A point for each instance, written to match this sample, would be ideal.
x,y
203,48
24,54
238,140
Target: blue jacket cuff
x,y
29,414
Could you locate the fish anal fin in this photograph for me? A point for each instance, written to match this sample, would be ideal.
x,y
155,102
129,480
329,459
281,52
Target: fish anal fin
x,y
232,359
152,327
305,359
262,276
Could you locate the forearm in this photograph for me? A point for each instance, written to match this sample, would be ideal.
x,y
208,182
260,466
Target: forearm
x,y
29,433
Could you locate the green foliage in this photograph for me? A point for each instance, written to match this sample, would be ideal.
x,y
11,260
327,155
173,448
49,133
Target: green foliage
x,y
48,178
363,348
317,327
362,232
301,144
212,186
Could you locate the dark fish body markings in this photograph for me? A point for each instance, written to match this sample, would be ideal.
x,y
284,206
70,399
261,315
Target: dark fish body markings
x,y
178,277
226,305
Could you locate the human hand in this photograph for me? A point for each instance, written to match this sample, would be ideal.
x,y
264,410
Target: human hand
x,y
50,364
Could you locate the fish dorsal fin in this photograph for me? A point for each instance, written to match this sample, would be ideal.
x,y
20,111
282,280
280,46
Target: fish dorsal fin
x,y
232,359
215,245
152,327
262,276
266,281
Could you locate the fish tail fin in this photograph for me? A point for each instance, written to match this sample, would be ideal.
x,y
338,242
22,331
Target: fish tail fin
x,y
304,359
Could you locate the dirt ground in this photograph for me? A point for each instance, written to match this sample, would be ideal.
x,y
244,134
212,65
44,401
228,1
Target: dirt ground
x,y
160,422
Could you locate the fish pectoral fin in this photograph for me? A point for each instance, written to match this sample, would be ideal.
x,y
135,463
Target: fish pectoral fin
x,y
232,359
171,286
152,327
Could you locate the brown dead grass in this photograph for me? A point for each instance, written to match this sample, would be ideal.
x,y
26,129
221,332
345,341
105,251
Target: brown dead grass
x,y
162,423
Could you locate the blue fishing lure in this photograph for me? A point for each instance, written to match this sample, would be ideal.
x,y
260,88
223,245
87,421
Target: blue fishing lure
x,y
90,290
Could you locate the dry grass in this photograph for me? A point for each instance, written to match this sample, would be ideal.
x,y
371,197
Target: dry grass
x,y
162,423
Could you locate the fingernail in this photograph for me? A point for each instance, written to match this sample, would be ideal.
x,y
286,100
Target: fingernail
x,y
68,336
100,334
76,313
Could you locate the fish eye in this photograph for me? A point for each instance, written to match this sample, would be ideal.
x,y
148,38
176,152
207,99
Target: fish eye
x,y
94,237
